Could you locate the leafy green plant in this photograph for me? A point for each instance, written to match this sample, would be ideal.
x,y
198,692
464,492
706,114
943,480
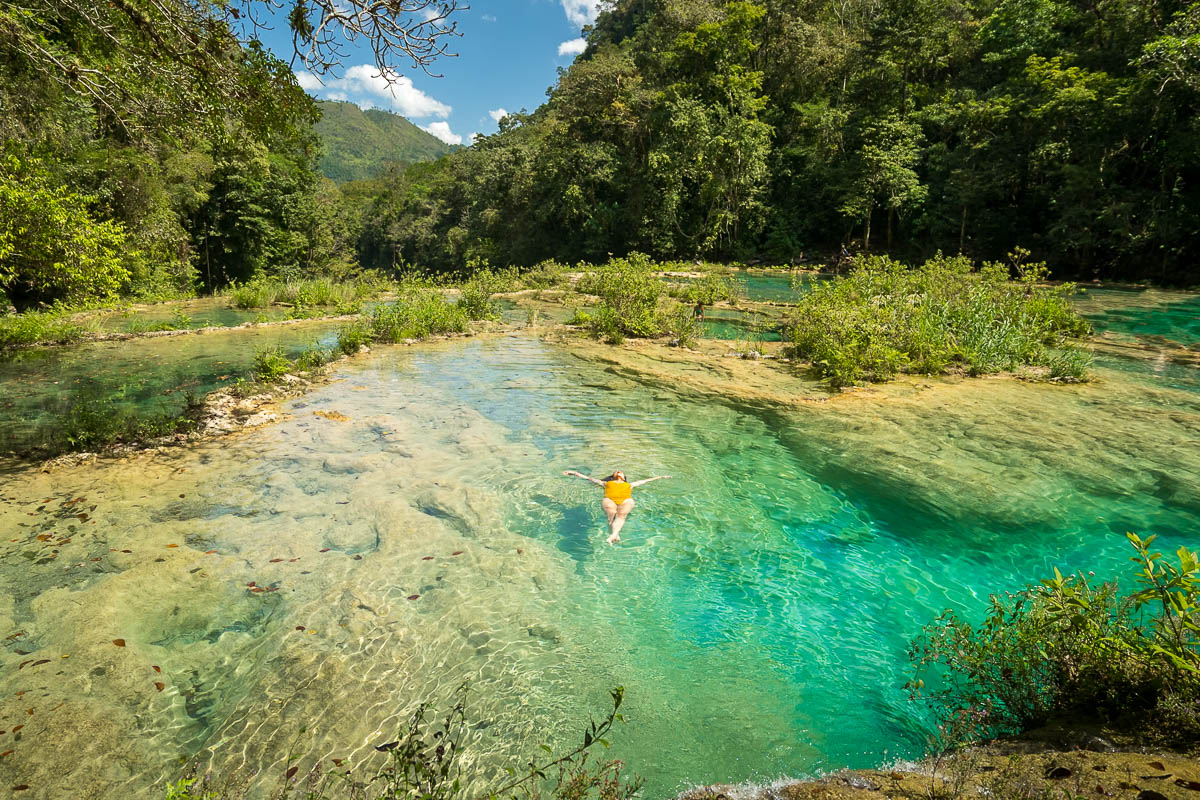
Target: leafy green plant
x,y
579,317
417,315
475,298
270,363
683,326
1073,646
545,275
354,337
314,357
629,293
38,327
885,318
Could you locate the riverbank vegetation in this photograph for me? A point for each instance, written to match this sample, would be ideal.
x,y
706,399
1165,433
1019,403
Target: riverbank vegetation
x,y
884,318
1075,647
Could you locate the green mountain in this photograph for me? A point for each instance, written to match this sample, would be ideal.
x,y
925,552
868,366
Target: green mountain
x,y
360,144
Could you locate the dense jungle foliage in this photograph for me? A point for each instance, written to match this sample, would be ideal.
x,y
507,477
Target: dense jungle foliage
x,y
151,158
742,130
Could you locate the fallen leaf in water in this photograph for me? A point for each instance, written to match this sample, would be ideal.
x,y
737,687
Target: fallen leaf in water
x,y
1158,765
156,667
126,551
119,642
6,753
324,549
457,553
520,552
299,627
172,545
293,560
82,517
251,583
427,558
20,787
358,558
159,685
337,762
40,662
17,728
413,596
275,560
257,589
209,552
1193,785
291,771
383,748
336,416
95,559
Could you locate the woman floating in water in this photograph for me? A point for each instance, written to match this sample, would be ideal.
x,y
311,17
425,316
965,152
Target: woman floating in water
x,y
618,500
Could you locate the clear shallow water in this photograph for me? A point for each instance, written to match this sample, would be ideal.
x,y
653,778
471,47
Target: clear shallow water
x,y
757,611
149,375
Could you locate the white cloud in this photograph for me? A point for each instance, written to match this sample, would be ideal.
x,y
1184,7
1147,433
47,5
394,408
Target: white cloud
x,y
497,114
581,12
488,18
442,131
573,47
431,13
366,87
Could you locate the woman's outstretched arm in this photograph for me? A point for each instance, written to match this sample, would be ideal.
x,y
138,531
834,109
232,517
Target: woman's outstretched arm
x,y
644,481
575,474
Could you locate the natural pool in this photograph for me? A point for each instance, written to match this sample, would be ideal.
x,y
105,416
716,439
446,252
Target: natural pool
x,y
150,375
756,613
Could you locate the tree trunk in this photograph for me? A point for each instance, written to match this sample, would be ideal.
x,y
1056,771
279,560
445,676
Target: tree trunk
x,y
891,213
867,230
962,231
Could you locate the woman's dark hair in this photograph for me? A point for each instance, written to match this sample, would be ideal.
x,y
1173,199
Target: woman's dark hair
x,y
612,477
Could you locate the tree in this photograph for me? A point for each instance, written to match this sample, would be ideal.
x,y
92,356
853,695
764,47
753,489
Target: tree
x,y
51,247
887,160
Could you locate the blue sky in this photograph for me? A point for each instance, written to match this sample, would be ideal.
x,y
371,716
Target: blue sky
x,y
508,56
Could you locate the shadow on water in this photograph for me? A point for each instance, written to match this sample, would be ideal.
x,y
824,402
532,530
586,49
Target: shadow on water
x,y
575,529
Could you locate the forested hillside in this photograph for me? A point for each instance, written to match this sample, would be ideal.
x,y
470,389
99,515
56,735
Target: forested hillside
x,y
703,128
360,144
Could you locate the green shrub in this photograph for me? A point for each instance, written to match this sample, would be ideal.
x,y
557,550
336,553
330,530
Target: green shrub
x,y
314,357
1069,646
629,293
545,275
475,298
38,327
712,288
580,317
254,294
416,316
354,337
683,326
1068,364
884,318
270,363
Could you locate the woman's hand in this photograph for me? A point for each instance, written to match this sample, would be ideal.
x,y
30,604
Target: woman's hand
x,y
570,472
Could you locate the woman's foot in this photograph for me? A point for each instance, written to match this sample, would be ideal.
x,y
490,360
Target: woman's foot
x,y
613,538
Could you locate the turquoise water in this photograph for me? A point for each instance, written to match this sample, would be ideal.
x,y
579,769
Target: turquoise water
x,y
757,610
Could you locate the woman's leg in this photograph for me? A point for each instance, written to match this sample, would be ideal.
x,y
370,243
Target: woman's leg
x,y
610,510
617,521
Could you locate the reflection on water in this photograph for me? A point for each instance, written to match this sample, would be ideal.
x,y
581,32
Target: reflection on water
x,y
331,574
150,375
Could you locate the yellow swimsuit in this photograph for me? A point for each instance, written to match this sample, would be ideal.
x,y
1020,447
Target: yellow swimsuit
x,y
618,491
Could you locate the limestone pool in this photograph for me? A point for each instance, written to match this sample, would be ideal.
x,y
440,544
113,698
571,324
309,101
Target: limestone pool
x,y
329,572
